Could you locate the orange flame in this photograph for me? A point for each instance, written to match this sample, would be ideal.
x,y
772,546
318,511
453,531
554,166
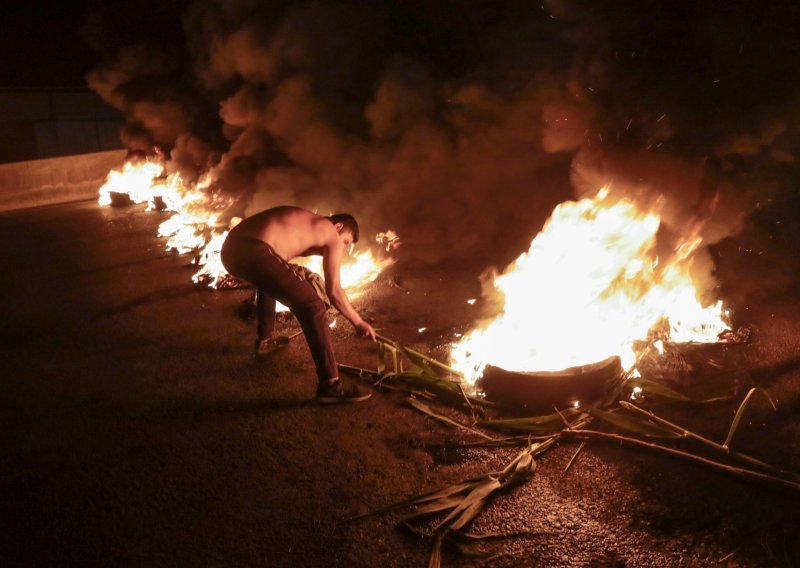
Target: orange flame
x,y
139,181
195,226
589,287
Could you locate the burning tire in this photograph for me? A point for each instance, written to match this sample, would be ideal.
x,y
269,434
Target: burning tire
x,y
544,389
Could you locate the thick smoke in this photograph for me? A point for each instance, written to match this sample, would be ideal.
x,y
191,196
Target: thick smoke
x,y
460,125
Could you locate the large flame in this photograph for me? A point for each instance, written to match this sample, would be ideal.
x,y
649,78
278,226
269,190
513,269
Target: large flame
x,y
589,287
195,226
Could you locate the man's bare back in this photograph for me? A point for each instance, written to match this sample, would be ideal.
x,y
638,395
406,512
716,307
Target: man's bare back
x,y
290,231
258,249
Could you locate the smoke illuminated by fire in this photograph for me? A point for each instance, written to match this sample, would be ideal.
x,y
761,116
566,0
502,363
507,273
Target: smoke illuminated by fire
x,y
589,287
195,226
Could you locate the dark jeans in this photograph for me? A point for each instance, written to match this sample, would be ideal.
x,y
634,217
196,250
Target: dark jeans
x,y
276,279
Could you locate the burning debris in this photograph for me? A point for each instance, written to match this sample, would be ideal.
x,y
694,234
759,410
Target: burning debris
x,y
197,224
591,285
593,300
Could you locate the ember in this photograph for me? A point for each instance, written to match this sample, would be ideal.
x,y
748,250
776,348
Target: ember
x,y
590,286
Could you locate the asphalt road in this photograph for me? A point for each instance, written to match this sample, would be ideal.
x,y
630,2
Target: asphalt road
x,y
137,428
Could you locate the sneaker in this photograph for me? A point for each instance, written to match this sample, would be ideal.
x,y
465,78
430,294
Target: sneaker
x,y
336,393
267,346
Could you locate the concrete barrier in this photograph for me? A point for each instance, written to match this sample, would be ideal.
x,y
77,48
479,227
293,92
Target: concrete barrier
x,y
55,180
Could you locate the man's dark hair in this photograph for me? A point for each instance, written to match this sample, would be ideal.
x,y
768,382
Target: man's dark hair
x,y
348,221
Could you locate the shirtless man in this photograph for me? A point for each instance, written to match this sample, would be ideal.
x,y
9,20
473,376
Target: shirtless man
x,y
258,249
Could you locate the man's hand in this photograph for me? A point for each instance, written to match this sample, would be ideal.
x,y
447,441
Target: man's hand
x,y
365,330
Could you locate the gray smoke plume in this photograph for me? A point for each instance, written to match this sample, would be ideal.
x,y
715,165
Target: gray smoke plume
x,y
460,125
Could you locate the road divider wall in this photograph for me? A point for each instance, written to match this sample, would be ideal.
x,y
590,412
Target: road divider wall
x,y
55,180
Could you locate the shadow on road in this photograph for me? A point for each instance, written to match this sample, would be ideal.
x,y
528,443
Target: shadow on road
x,y
116,266
157,296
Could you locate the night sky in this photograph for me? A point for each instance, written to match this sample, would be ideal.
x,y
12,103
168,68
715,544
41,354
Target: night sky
x,y
54,44
41,46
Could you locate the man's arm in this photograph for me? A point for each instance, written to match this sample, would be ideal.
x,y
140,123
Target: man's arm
x,y
331,262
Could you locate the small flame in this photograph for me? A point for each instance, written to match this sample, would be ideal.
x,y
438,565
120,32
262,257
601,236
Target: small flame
x,y
589,287
388,239
210,261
